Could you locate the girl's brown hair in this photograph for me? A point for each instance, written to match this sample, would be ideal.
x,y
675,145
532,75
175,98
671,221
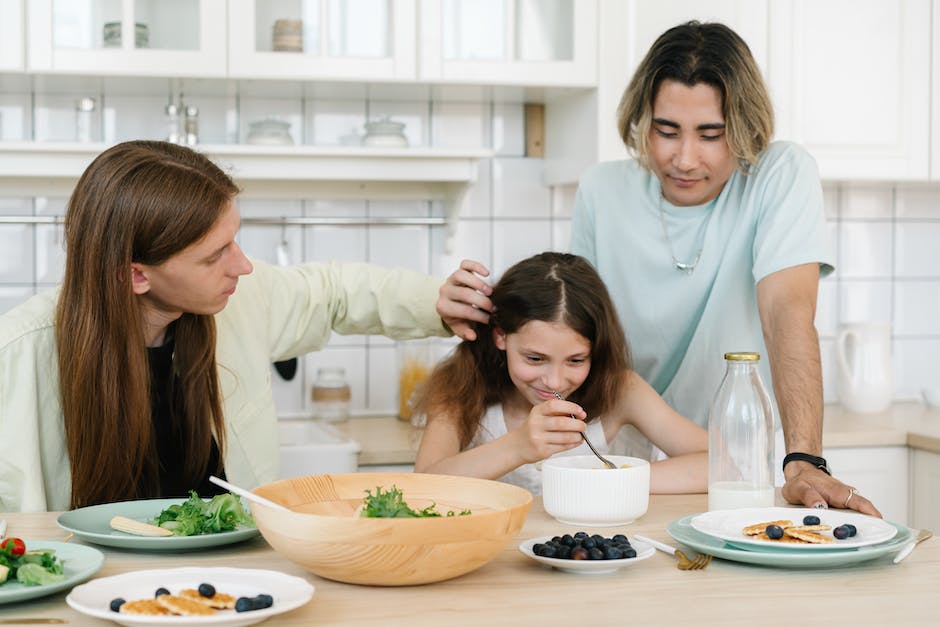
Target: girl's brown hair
x,y
143,202
708,53
551,287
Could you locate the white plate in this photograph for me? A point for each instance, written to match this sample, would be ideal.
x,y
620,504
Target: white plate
x,y
78,564
728,524
94,598
588,567
93,524
683,532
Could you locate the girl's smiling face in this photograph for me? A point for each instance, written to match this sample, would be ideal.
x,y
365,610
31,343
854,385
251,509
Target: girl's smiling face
x,y
545,357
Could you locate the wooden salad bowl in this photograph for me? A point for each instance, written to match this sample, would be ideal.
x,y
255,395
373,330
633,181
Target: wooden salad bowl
x,y
325,535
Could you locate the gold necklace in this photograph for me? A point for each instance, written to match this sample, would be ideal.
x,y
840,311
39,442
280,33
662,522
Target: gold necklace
x,y
681,266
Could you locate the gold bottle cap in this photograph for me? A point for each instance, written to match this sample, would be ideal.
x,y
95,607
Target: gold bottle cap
x,y
742,356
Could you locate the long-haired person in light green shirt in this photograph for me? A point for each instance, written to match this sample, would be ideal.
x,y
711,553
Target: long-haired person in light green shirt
x,y
149,369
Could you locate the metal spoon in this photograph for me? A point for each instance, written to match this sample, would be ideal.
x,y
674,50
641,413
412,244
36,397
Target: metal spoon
x,y
606,461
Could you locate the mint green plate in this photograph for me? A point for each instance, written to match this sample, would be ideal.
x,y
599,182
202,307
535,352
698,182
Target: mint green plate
x,y
683,532
93,524
78,564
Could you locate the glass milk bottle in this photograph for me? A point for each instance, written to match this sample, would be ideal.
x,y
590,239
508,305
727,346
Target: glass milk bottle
x,y
741,438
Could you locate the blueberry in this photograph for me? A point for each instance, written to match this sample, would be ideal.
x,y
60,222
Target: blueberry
x,y
774,532
629,553
581,535
620,539
116,604
596,554
612,553
810,520
563,552
206,590
160,592
264,601
244,604
589,543
580,553
852,530
567,540
840,532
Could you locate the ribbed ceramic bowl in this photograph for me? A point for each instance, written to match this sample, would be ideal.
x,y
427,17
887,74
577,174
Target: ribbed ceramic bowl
x,y
579,490
324,536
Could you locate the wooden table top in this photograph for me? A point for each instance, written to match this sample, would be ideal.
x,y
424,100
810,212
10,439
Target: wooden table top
x,y
515,590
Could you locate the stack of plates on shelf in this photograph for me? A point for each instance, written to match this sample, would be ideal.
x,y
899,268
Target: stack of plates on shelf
x,y
288,36
720,533
112,35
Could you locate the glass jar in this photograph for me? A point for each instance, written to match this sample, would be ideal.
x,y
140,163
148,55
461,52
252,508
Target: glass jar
x,y
84,111
741,438
172,117
191,125
414,365
331,395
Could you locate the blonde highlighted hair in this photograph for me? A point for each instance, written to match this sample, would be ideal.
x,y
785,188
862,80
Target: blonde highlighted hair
x,y
694,53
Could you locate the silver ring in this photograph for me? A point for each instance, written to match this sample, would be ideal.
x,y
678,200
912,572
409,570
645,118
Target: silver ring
x,y
852,492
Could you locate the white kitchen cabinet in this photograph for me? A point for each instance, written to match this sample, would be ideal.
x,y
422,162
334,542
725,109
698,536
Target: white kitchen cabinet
x,y
127,37
879,473
11,36
925,489
509,42
322,39
850,81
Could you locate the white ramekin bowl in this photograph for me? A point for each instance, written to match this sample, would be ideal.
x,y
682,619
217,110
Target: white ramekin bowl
x,y
579,490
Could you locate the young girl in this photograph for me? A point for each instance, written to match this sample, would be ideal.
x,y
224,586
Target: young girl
x,y
492,408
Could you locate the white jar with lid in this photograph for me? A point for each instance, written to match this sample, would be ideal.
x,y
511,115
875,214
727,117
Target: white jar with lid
x,y
84,122
331,395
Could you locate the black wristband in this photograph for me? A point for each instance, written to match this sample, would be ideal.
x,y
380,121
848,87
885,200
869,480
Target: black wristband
x,y
819,462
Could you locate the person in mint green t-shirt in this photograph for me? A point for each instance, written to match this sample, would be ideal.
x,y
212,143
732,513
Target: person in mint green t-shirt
x,y
713,240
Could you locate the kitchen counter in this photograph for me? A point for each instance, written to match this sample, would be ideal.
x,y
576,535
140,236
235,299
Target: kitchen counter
x,y
514,590
386,440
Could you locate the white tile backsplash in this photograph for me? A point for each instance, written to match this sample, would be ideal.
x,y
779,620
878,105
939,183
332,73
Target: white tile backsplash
x,y
918,249
865,301
865,250
518,190
509,129
460,124
866,201
917,308
514,240
16,254
400,247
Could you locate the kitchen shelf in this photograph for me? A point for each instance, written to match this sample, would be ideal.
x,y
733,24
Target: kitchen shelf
x,y
47,168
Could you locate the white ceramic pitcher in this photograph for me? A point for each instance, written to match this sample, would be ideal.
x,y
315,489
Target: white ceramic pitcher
x,y
866,373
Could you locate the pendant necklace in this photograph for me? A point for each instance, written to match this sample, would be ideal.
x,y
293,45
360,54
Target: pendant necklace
x,y
681,266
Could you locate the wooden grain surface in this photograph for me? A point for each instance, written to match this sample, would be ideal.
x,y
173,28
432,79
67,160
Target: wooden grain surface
x,y
514,590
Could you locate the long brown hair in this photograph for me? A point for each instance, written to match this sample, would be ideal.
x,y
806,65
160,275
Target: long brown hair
x,y
551,287
143,202
708,53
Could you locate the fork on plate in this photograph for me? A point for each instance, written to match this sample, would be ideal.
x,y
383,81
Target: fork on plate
x,y
699,562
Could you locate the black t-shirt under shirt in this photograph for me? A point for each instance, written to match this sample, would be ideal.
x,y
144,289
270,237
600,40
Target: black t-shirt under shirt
x,y
171,445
